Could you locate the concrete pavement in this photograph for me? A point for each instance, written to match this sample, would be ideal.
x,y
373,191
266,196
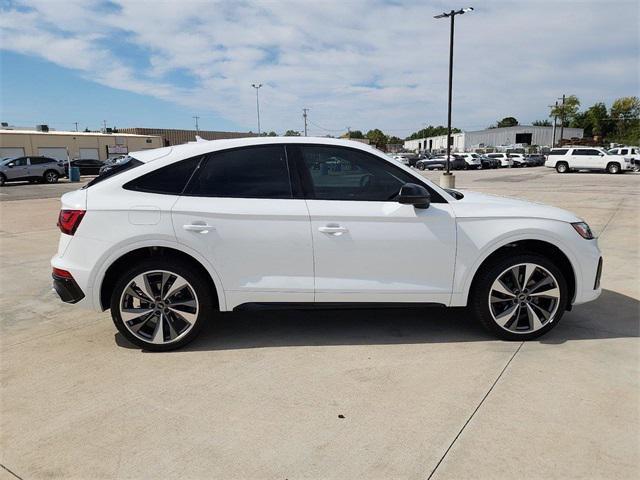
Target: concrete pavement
x,y
423,392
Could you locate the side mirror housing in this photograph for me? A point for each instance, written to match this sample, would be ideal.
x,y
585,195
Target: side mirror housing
x,y
10,165
416,195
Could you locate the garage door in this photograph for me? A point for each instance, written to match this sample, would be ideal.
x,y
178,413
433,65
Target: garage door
x,y
11,152
91,153
59,153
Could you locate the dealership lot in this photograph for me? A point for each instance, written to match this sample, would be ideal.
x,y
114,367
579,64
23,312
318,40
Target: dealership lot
x,y
259,395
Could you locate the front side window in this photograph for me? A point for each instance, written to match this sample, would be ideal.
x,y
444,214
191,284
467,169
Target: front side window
x,y
561,151
253,172
20,162
335,173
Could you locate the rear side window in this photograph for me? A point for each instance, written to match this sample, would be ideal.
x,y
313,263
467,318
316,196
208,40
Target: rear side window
x,y
561,151
40,161
252,172
624,151
169,180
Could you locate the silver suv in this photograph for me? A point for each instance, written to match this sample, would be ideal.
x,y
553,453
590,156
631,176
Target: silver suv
x,y
42,169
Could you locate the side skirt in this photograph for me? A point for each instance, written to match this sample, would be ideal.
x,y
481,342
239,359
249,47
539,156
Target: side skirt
x,y
331,306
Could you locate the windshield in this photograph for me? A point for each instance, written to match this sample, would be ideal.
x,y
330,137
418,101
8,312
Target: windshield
x,y
4,161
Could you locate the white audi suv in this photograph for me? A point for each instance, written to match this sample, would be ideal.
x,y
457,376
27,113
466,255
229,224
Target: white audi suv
x,y
170,236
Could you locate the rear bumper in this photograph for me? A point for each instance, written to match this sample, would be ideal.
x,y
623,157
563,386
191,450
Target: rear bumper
x,y
67,289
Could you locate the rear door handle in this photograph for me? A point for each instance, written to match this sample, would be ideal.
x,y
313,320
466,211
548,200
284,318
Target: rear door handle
x,y
198,227
333,229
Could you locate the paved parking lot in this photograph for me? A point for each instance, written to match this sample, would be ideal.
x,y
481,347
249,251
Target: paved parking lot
x,y
425,393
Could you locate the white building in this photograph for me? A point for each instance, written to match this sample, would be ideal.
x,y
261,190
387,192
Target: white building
x,y
493,137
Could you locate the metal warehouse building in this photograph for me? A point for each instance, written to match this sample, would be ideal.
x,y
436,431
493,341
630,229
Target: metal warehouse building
x,y
494,137
56,144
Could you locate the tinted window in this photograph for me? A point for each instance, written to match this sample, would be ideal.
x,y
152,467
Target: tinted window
x,y
169,180
40,160
624,151
254,172
20,162
561,151
585,151
343,174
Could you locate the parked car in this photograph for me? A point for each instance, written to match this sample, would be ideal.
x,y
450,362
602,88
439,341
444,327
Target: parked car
x,y
172,236
407,158
472,160
87,166
33,169
438,162
534,160
632,153
505,160
567,159
489,162
517,159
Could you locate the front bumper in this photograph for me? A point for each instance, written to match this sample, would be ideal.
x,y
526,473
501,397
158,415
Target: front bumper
x,y
67,289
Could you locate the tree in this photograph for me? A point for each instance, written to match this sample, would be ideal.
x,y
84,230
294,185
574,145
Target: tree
x,y
541,123
597,120
568,111
431,131
394,139
377,137
291,133
272,134
507,122
625,113
355,134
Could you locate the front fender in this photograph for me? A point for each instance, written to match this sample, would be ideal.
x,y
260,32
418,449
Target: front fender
x,y
479,238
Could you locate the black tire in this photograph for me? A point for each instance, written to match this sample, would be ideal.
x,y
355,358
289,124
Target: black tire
x,y
613,168
3,180
420,166
50,176
562,167
479,295
196,280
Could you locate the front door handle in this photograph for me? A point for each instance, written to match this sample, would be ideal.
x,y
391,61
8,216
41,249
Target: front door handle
x,y
333,229
198,227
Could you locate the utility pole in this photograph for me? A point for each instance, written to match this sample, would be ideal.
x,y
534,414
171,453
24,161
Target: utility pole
x,y
104,123
257,87
195,117
349,133
555,125
76,123
448,180
304,115
562,114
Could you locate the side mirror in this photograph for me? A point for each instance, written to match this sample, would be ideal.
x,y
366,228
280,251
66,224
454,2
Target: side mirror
x,y
11,165
416,195
601,154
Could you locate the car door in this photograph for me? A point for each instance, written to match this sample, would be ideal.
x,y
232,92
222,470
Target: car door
x,y
367,246
239,212
18,169
38,166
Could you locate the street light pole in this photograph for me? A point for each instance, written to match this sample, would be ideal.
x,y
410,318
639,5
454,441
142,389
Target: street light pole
x,y
257,87
447,179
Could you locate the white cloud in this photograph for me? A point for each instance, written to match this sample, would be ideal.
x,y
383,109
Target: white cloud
x,y
362,64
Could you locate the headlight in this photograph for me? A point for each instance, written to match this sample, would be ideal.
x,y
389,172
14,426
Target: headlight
x,y
583,229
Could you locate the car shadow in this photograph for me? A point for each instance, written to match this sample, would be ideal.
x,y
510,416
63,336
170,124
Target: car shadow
x,y
613,315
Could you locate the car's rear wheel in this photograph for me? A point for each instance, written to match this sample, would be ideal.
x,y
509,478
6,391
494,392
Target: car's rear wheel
x,y
520,297
51,176
161,304
613,167
420,166
562,167
3,179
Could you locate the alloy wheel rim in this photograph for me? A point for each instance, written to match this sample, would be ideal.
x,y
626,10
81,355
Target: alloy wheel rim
x,y
524,298
51,177
159,307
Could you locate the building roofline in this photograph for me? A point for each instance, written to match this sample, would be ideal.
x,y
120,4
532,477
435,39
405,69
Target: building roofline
x,y
69,133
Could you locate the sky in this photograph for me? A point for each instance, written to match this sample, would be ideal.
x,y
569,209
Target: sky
x,y
358,64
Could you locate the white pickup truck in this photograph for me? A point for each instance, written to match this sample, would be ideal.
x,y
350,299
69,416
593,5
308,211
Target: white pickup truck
x,y
567,159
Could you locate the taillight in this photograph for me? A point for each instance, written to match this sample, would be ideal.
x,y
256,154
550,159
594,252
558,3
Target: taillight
x,y
58,272
68,220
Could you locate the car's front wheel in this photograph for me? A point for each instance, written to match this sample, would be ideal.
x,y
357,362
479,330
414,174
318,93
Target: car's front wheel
x,y
520,297
3,179
562,167
161,304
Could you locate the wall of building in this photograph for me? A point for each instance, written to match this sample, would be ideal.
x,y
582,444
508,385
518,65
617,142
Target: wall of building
x,y
492,137
50,143
178,137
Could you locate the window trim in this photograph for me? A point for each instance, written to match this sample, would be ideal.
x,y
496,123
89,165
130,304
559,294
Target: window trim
x,y
307,187
207,157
